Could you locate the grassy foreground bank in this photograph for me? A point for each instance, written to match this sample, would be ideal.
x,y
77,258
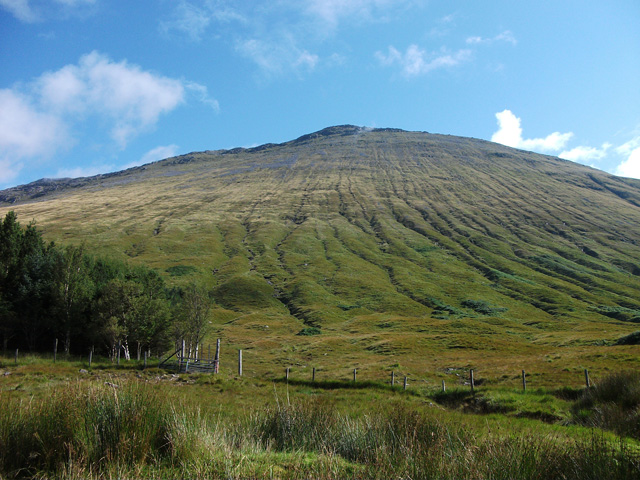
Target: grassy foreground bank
x,y
206,427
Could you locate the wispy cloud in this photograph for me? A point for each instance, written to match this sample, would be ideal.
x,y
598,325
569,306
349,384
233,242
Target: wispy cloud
x,y
188,19
282,37
20,9
276,57
510,133
332,12
415,61
26,11
506,36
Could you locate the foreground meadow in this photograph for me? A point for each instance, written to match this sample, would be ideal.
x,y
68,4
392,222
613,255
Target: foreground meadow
x,y
65,420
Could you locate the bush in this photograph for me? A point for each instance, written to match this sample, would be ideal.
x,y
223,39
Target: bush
x,y
309,331
482,307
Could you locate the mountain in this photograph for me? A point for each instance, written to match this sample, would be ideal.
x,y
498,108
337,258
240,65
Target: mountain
x,y
381,242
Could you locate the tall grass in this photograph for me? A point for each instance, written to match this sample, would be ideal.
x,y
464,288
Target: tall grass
x,y
94,428
403,443
134,431
612,404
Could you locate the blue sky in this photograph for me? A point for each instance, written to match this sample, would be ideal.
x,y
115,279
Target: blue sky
x,y
92,86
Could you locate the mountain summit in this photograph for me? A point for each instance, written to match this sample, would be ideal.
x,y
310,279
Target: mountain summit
x,y
394,239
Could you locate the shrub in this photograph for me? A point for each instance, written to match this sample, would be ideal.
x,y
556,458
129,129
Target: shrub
x,y
309,331
482,307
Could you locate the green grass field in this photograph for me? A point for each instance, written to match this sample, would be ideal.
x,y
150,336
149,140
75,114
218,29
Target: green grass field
x,y
57,421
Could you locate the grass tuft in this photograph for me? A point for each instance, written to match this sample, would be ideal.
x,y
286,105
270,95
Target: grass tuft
x,y
612,404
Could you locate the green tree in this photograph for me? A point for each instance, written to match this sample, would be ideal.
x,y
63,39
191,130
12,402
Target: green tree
x,y
133,311
73,290
117,311
32,285
10,240
192,317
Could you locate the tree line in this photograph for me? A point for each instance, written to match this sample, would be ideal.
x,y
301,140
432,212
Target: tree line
x,y
51,292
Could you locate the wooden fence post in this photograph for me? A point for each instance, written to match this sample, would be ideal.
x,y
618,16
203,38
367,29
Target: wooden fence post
x,y
239,363
405,383
444,387
393,378
119,348
586,378
313,375
354,374
90,357
524,381
471,381
16,358
145,360
216,362
286,374
55,350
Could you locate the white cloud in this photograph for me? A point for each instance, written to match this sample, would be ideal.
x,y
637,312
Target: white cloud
x,y
631,166
628,147
25,131
510,133
62,90
36,118
131,98
551,143
506,36
585,154
416,61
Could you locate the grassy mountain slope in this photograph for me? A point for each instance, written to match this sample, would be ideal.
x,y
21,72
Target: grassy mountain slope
x,y
406,250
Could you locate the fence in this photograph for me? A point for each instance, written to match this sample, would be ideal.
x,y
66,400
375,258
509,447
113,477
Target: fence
x,y
193,360
188,360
